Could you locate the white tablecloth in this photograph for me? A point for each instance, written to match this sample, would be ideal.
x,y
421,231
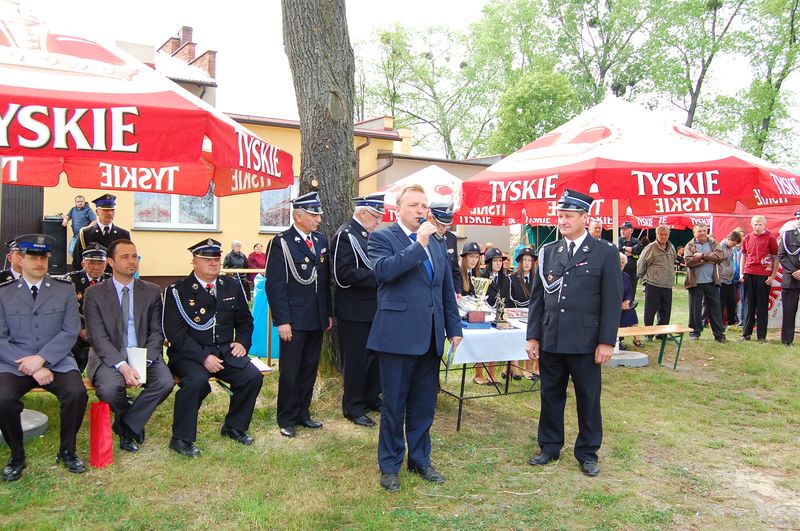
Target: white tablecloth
x,y
492,345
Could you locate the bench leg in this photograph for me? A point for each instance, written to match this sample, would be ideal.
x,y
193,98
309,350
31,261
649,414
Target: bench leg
x,y
663,347
679,343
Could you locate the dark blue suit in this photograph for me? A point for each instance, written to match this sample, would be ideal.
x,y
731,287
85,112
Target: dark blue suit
x,y
569,324
414,314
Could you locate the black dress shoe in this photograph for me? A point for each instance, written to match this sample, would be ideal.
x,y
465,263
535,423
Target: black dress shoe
x,y
288,432
310,423
70,461
390,482
237,435
542,458
128,444
13,469
428,473
184,448
590,468
363,420
721,339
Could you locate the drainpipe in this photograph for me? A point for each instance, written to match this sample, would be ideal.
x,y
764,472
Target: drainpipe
x,y
358,164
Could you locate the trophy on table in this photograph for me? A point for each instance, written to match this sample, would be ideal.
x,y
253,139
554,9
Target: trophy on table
x,y
501,316
475,306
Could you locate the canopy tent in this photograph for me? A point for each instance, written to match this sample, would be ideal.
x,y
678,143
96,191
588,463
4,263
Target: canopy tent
x,y
621,151
110,122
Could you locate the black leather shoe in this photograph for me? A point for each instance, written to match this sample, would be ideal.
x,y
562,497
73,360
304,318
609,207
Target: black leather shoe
x,y
744,338
185,448
310,423
70,461
428,473
721,339
542,458
128,444
288,432
390,482
363,420
590,468
13,469
237,435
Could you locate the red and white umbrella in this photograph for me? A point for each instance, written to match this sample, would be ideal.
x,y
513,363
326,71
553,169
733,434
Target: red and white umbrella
x,y
619,150
110,122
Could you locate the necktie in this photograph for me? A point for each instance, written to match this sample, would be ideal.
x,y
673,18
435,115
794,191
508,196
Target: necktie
x,y
428,266
105,231
126,302
211,290
34,292
92,282
527,281
571,250
309,244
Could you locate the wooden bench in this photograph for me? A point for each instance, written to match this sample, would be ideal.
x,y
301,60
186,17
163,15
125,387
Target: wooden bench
x,y
668,333
264,368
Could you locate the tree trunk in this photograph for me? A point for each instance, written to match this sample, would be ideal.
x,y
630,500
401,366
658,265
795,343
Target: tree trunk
x,y
321,59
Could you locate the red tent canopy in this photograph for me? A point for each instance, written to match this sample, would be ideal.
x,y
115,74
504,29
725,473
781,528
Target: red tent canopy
x,y
618,150
111,122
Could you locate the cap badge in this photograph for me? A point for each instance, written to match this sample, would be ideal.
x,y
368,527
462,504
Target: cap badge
x,y
209,242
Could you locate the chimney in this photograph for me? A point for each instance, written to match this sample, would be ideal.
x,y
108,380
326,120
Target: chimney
x,y
208,62
170,46
185,35
186,52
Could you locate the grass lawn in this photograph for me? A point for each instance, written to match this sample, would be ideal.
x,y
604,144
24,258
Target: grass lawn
x,y
711,446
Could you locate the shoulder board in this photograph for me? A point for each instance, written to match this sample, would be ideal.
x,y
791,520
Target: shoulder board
x,y
548,244
609,244
8,282
62,279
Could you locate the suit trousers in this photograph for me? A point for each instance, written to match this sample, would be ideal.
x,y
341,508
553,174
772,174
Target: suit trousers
x,y
710,292
110,387
194,387
555,371
66,386
657,301
727,299
299,362
410,387
757,305
789,298
361,370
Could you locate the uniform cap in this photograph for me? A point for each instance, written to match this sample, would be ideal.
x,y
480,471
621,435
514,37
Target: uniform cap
x,y
35,244
95,251
442,212
209,247
308,202
526,251
494,252
105,202
626,225
574,201
373,202
470,247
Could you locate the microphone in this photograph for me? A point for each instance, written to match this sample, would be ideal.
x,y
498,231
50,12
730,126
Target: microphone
x,y
435,234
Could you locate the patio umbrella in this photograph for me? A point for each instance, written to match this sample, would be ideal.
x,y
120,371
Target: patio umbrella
x,y
621,151
110,122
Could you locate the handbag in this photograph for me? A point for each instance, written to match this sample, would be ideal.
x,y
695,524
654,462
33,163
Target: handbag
x,y
101,441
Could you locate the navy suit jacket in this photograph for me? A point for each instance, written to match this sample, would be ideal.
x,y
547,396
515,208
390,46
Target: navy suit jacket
x,y
585,311
411,306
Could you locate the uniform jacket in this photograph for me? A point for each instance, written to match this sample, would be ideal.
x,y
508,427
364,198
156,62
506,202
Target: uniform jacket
x,y
716,256
305,307
234,320
789,243
94,234
47,326
516,290
104,323
81,282
411,306
585,311
451,245
630,266
355,287
500,287
6,275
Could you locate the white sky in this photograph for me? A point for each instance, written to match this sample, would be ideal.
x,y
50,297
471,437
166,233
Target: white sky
x,y
252,69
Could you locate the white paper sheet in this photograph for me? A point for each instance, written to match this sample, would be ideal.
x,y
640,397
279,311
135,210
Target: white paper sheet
x,y
137,358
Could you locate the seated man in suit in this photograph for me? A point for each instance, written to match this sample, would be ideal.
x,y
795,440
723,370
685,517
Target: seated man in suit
x,y
93,272
416,309
120,313
38,325
209,328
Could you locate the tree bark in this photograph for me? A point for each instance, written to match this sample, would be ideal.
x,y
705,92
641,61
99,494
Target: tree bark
x,y
321,59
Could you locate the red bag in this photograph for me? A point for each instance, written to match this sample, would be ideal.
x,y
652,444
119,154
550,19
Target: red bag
x,y
101,441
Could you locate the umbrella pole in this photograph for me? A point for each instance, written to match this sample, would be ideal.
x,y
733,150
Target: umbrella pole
x,y
615,221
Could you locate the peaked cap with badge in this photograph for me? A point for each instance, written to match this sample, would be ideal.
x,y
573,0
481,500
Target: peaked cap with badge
x,y
94,234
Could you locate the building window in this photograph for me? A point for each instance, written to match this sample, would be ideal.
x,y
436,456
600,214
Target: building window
x,y
171,211
276,211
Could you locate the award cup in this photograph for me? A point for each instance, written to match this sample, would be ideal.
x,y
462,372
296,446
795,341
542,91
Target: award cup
x,y
476,312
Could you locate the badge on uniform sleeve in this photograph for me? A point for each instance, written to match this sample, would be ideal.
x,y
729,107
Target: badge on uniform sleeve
x,y
202,311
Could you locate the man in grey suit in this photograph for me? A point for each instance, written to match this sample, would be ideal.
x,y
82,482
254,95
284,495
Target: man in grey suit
x,y
39,323
120,313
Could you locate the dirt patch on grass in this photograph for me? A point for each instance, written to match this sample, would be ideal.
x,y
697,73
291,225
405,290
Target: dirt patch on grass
x,y
777,507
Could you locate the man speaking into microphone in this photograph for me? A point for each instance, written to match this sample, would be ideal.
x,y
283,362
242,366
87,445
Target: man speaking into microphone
x,y
416,310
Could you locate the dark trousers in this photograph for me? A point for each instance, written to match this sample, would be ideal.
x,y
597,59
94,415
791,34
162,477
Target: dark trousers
x,y
111,388
68,388
727,300
710,292
410,387
789,297
194,388
299,361
657,301
361,371
555,371
757,305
